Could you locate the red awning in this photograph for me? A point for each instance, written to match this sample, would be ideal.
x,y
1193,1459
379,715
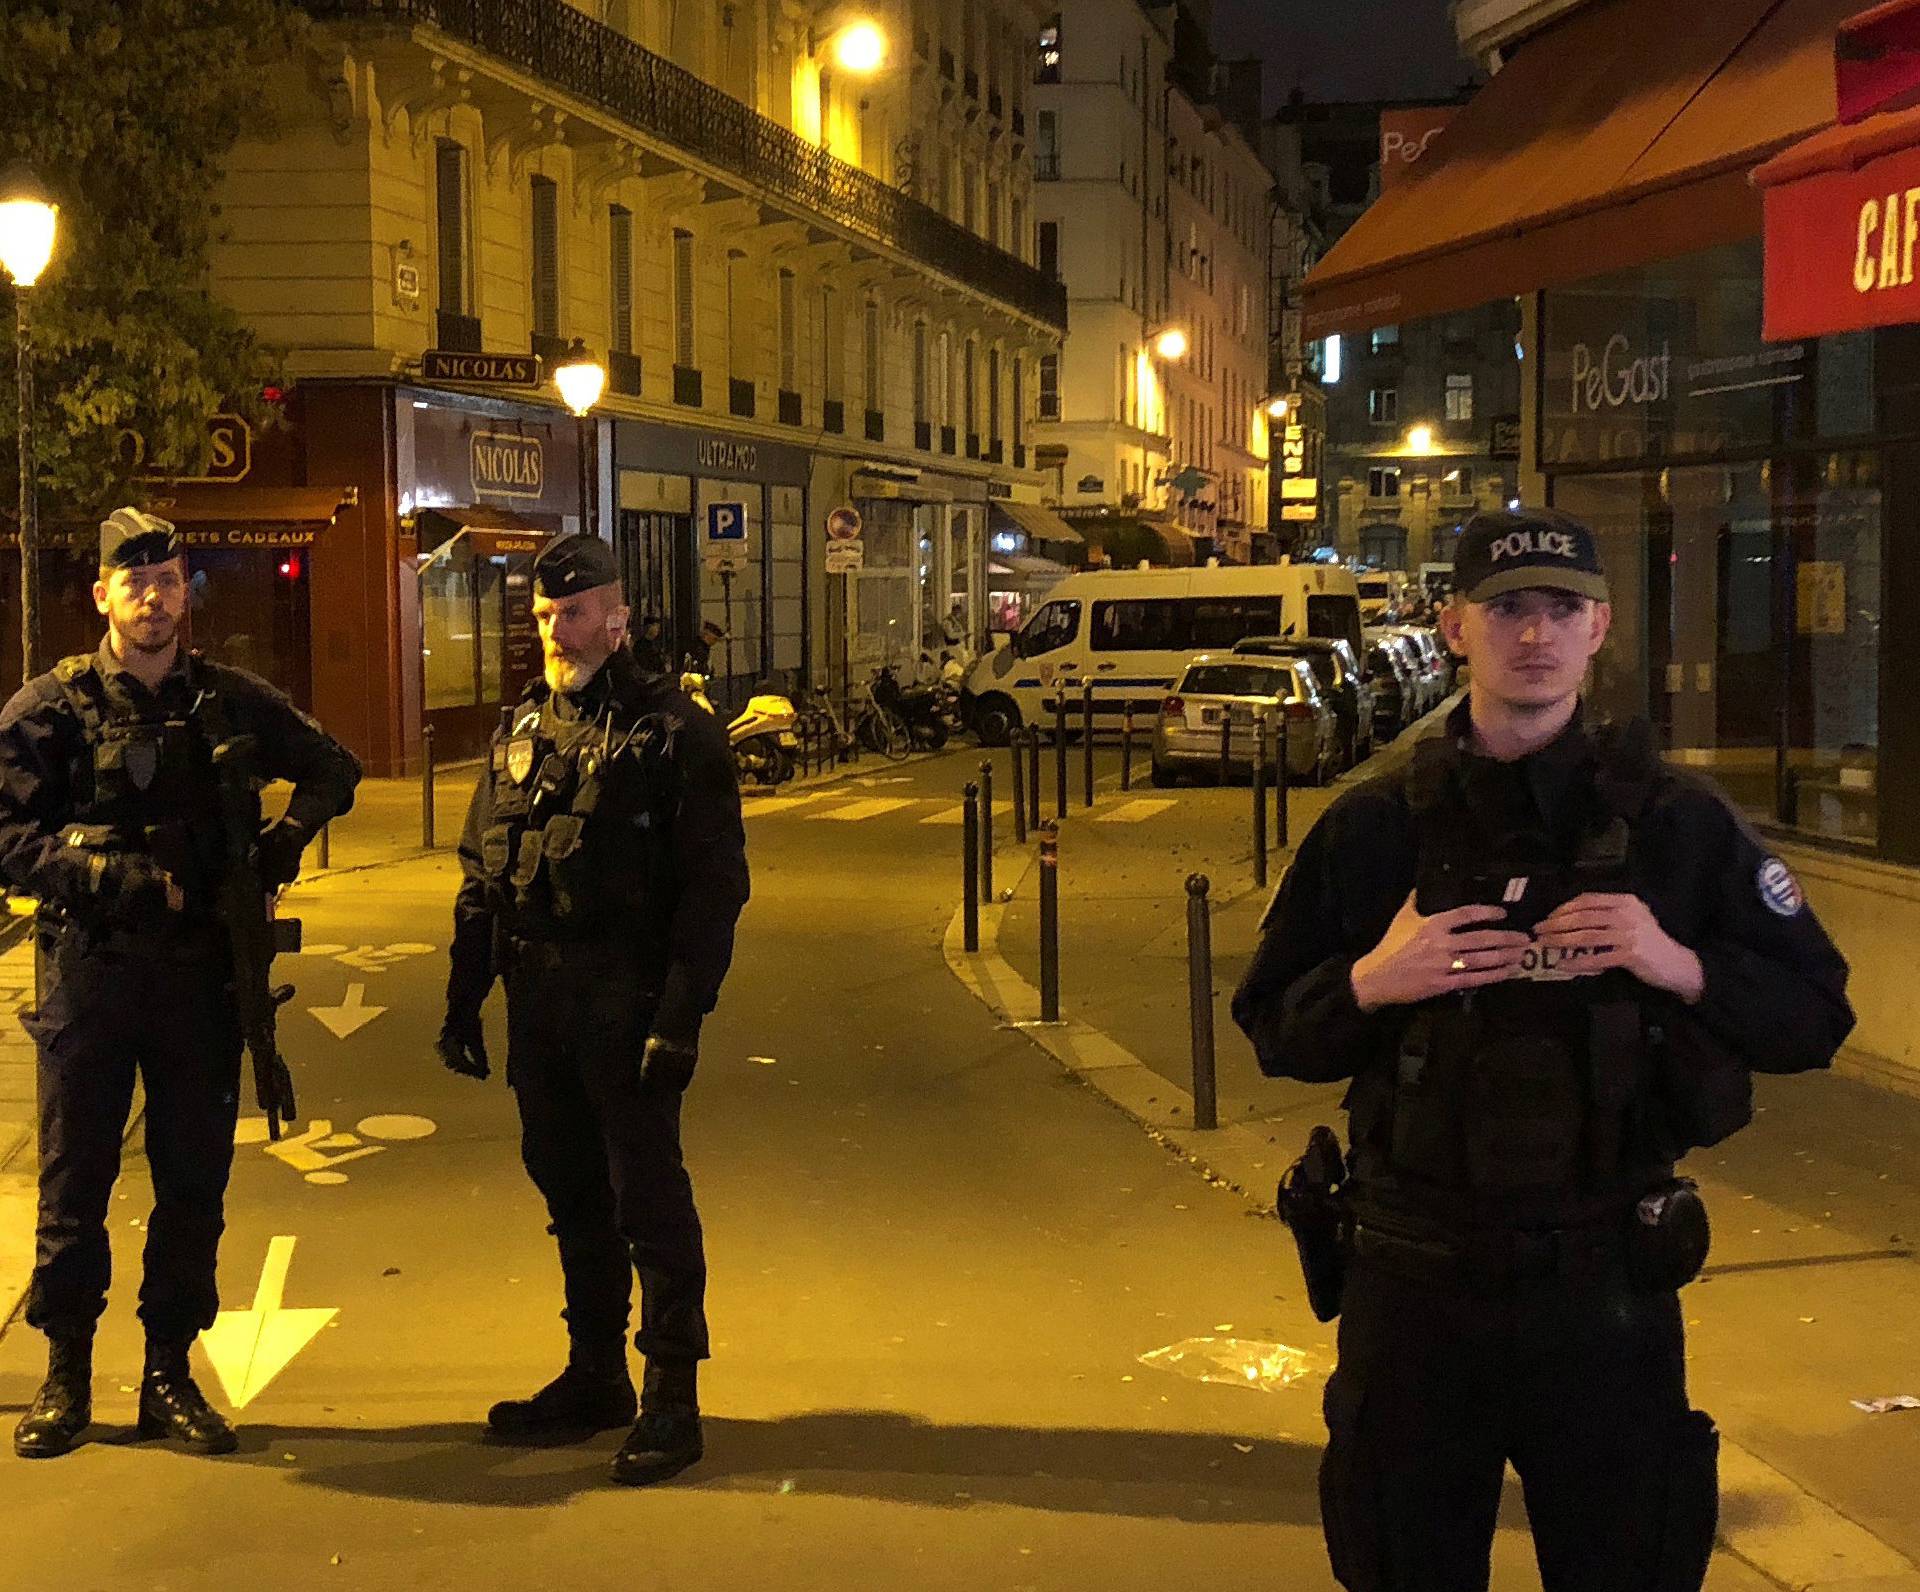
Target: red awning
x,y
1621,136
1842,207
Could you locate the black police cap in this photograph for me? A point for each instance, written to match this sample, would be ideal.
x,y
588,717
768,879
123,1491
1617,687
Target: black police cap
x,y
569,565
1504,550
130,536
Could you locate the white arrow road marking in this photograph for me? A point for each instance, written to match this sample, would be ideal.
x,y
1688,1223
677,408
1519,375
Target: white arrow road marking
x,y
249,1348
350,1016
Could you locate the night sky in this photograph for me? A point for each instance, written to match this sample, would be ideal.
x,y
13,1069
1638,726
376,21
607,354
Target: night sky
x,y
1344,49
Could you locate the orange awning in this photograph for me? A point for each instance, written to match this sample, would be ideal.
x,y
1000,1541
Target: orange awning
x,y
1622,136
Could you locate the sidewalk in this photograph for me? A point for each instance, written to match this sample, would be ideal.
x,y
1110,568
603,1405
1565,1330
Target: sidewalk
x,y
1807,1303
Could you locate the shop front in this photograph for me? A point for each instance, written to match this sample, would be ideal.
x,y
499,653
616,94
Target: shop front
x,y
482,486
1030,549
922,586
712,527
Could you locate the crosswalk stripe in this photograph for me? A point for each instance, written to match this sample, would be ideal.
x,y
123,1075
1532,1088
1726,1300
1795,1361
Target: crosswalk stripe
x,y
854,812
1136,811
956,815
778,804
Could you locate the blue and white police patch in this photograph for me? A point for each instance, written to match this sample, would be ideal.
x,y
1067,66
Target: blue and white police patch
x,y
1779,889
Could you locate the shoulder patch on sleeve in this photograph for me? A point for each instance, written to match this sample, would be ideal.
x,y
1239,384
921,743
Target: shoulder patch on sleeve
x,y
1779,890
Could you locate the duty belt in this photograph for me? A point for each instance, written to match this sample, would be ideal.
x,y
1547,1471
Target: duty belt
x,y
1496,1254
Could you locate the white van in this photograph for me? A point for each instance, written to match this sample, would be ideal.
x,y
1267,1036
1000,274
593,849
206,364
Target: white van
x,y
1131,632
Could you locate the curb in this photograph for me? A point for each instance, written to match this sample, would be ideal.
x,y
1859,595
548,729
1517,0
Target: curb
x,y
1790,1537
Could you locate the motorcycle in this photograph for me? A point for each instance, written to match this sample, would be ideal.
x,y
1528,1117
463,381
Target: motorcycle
x,y
764,736
919,707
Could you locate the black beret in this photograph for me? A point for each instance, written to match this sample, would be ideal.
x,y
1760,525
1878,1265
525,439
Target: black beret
x,y
129,537
569,565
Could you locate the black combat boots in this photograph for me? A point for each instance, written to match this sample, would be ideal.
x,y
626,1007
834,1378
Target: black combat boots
x,y
593,1394
171,1405
666,1438
63,1408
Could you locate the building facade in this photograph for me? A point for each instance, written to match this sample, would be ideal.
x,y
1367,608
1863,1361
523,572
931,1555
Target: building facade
x,y
1153,210
1746,480
808,270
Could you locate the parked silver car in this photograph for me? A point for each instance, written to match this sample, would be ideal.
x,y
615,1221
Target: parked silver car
x,y
1217,689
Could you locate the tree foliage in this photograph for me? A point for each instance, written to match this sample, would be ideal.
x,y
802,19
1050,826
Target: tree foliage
x,y
125,109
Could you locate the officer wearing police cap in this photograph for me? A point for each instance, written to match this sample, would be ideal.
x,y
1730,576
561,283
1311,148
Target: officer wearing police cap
x,y
109,802
1547,964
603,870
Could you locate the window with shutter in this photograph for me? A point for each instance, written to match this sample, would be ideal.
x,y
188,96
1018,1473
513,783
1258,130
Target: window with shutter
x,y
683,299
920,383
450,225
831,356
870,355
993,395
546,257
789,335
620,277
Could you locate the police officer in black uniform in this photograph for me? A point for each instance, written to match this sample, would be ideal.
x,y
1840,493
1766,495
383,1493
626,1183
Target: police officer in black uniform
x,y
109,796
604,866
1548,964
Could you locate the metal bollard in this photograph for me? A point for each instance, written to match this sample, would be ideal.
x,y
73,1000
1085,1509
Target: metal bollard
x,y
970,867
1226,744
986,830
326,846
1060,753
1050,923
1126,747
1206,1110
1033,775
426,787
1019,790
1260,798
1086,732
1282,785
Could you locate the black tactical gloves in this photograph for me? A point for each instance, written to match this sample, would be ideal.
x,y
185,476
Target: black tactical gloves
x,y
462,1045
667,1064
281,844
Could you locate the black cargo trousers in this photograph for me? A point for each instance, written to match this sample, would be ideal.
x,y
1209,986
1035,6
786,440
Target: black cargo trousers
x,y
1578,1380
603,1148
109,1011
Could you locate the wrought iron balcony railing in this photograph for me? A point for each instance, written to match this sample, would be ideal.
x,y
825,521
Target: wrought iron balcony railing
x,y
569,50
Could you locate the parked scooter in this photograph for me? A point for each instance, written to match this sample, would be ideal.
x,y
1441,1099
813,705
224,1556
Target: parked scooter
x,y
764,735
919,707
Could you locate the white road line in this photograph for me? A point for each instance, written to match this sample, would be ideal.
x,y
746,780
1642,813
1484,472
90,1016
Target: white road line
x,y
753,807
1136,811
956,815
856,812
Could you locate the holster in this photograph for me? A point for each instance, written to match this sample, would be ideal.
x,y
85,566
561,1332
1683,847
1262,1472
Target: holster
x,y
1312,1201
1668,1236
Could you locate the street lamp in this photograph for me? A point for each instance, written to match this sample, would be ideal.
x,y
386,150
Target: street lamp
x,y
1277,408
1170,343
1420,439
28,221
860,48
582,379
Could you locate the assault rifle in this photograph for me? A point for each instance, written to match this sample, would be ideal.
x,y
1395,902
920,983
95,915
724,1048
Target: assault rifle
x,y
255,934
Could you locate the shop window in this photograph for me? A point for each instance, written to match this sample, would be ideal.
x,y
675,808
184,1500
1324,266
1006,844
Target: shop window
x,y
1460,397
546,257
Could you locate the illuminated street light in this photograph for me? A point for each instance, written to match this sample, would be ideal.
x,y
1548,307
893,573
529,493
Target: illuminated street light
x,y
582,379
1420,439
29,221
1170,343
860,47
1277,408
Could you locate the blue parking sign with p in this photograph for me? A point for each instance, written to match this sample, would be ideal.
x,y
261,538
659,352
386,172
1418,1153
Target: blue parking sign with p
x,y
726,522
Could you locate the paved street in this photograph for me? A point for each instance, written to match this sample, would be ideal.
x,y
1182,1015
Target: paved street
x,y
937,1259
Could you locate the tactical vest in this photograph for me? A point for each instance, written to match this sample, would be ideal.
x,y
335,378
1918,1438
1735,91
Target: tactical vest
x,y
146,782
1538,1094
577,845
